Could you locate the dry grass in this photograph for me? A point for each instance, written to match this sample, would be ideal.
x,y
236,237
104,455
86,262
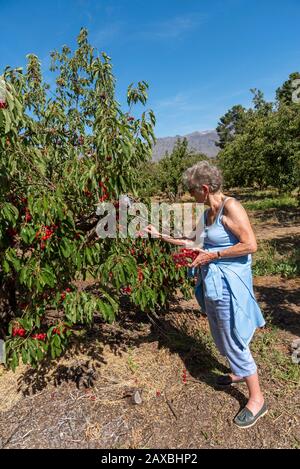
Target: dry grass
x,y
67,414
9,388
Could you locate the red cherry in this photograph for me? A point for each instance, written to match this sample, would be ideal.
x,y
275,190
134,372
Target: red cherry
x,y
127,290
12,232
58,330
101,184
140,276
87,193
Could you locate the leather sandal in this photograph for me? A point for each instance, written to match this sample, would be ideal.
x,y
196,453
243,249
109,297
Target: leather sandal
x,y
226,380
246,419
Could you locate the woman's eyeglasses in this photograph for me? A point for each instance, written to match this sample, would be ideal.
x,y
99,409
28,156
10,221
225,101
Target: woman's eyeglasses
x,y
192,189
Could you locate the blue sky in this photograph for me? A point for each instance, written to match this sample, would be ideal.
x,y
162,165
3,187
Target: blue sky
x,y
199,57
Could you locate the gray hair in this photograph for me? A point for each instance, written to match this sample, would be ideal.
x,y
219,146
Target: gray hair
x,y
203,173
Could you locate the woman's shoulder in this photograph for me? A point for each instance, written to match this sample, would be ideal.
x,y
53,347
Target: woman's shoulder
x,y
232,203
233,206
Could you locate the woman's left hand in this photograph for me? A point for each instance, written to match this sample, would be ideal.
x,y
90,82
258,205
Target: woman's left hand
x,y
204,258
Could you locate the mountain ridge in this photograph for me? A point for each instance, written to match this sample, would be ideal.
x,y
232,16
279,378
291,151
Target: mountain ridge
x,y
198,141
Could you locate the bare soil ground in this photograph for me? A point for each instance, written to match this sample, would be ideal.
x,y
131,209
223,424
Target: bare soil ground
x,y
85,399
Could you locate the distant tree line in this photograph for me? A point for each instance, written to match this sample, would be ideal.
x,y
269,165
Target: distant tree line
x,y
260,146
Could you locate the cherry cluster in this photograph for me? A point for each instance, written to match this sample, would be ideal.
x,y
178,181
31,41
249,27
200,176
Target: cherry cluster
x,y
184,257
140,275
64,293
104,192
25,210
45,233
28,216
12,233
59,331
41,336
18,331
126,290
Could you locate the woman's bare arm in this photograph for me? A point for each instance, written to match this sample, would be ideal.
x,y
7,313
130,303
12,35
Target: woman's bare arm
x,y
150,229
185,241
236,220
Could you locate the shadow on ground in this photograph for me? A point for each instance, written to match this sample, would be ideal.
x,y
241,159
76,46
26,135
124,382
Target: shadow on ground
x,y
280,304
132,330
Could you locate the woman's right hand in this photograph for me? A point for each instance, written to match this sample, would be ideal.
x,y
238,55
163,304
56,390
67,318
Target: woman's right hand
x,y
152,231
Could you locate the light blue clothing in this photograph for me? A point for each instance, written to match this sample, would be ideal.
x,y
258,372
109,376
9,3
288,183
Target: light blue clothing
x,y
217,237
220,317
236,271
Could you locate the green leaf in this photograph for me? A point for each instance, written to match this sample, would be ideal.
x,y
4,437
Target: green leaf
x,y
14,361
6,266
7,121
65,247
24,356
10,213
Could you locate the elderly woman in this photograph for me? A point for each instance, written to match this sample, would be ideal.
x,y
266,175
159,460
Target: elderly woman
x,y
224,287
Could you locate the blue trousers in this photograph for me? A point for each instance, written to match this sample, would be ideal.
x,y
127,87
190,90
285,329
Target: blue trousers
x,y
220,317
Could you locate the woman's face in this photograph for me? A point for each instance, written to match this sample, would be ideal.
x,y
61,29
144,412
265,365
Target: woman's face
x,y
200,195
